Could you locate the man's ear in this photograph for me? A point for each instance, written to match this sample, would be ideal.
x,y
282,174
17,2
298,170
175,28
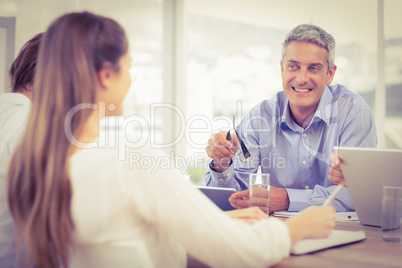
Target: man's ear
x,y
105,75
331,75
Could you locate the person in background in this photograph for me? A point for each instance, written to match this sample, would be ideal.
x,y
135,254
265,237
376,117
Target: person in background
x,y
64,189
292,135
14,111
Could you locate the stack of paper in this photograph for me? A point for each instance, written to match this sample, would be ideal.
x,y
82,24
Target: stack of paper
x,y
340,216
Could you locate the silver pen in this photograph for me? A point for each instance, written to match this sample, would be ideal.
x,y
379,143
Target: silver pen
x,y
333,195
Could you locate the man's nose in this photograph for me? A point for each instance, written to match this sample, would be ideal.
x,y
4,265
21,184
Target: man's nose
x,y
302,77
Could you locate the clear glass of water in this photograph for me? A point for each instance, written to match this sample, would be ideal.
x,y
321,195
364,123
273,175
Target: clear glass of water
x,y
391,222
259,191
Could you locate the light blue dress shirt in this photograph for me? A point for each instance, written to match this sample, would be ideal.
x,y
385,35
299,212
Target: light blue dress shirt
x,y
297,159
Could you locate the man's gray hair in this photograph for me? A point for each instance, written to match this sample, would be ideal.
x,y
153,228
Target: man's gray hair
x,y
312,34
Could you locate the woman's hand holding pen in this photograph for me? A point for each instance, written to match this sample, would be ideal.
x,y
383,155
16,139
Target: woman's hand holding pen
x,y
313,222
222,150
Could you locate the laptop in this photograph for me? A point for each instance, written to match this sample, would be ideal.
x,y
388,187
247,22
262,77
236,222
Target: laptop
x,y
366,171
218,195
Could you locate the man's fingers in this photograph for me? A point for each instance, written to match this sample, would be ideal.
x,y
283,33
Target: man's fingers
x,y
241,194
335,160
220,138
239,203
225,147
209,152
336,176
260,192
219,147
335,172
218,151
215,152
245,203
259,201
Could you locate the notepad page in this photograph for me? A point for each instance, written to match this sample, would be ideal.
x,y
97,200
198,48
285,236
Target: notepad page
x,y
337,238
340,216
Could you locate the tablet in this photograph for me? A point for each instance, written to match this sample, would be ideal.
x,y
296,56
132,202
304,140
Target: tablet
x,y
220,196
366,172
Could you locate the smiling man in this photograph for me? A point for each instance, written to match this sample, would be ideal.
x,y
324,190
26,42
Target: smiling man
x,y
292,136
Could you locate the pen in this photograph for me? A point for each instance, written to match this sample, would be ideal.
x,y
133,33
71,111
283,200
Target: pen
x,y
333,195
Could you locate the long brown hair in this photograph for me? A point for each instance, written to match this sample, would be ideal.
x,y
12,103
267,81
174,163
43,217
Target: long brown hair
x,y
39,189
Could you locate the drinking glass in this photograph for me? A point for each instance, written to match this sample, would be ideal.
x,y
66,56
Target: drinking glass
x,y
259,191
391,220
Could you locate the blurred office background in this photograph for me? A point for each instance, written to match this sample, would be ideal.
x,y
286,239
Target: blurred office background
x,y
198,62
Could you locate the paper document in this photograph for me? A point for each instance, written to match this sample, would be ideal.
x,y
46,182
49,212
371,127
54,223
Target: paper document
x,y
337,238
340,216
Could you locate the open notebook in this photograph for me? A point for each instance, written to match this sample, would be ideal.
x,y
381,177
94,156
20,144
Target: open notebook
x,y
340,216
337,238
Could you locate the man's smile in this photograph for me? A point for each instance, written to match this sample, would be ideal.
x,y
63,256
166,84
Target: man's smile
x,y
302,90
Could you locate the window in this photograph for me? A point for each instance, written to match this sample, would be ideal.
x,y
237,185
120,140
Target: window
x,y
142,21
234,50
7,39
393,73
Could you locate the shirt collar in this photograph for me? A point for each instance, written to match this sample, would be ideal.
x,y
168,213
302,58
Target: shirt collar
x,y
14,98
323,111
324,108
286,119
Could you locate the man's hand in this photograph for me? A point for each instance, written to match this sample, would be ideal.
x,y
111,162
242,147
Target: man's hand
x,y
335,174
278,199
249,215
221,150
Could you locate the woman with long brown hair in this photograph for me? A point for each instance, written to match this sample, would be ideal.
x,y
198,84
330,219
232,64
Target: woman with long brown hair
x,y
62,193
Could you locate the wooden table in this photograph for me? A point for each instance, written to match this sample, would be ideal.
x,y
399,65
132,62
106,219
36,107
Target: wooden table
x,y
372,252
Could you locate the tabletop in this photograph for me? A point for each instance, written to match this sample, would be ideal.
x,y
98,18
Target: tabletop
x,y
371,252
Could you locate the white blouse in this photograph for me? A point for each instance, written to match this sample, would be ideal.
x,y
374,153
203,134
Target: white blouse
x,y
118,201
14,112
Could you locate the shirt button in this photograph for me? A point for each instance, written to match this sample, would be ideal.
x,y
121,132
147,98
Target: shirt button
x,y
304,162
228,175
304,135
306,187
